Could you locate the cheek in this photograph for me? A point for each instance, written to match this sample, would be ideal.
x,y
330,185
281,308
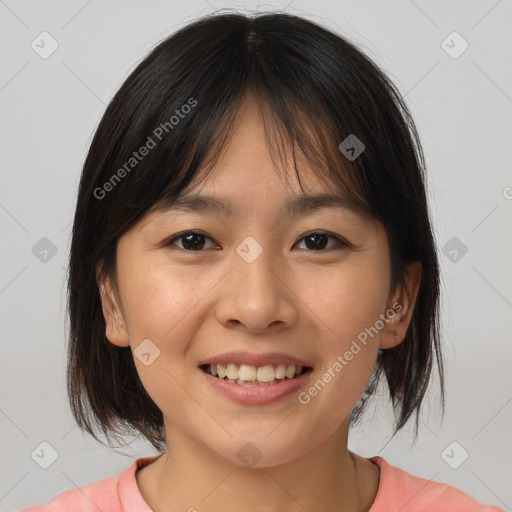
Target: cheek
x,y
159,302
348,304
167,308
163,308
329,398
347,300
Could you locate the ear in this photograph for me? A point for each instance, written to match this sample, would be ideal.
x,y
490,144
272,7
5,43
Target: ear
x,y
116,330
401,303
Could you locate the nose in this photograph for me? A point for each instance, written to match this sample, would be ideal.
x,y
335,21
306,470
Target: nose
x,y
256,296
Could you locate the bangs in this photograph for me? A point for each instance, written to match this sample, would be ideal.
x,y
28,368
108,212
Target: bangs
x,y
295,133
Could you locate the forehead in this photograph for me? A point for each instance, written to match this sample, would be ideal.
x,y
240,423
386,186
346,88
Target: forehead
x,y
292,205
258,158
247,174
257,150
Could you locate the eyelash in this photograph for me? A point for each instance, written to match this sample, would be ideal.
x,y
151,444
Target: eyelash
x,y
339,240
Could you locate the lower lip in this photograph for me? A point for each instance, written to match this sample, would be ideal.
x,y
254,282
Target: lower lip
x,y
256,394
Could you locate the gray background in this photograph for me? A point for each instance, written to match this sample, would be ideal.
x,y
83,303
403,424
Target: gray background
x,y
49,110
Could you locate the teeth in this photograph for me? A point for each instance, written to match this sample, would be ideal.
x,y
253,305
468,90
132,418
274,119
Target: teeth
x,y
267,373
249,374
221,370
232,371
280,371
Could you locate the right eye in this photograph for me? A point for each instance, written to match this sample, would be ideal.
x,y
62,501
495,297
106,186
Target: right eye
x,y
191,241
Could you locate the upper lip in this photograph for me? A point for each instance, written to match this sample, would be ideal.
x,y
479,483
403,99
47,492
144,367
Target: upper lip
x,y
238,358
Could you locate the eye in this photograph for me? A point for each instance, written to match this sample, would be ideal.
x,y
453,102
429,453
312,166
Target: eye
x,y
195,241
318,241
192,241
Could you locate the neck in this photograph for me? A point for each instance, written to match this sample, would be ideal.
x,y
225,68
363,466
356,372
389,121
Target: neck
x,y
189,476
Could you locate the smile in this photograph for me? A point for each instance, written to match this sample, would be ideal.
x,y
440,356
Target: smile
x,y
250,375
255,385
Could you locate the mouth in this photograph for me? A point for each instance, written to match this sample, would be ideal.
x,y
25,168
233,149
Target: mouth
x,y
251,375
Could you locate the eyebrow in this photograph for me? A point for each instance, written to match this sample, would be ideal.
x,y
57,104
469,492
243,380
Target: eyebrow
x,y
300,205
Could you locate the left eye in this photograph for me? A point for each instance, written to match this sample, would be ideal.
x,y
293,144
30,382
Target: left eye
x,y
193,241
318,241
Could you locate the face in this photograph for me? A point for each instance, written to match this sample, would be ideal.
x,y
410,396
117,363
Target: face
x,y
264,291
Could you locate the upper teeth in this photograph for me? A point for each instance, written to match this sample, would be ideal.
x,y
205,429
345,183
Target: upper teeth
x,y
249,372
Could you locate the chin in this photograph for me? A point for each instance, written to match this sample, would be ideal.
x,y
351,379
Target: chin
x,y
259,452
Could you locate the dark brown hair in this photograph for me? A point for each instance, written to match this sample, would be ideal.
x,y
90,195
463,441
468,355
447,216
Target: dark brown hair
x,y
319,88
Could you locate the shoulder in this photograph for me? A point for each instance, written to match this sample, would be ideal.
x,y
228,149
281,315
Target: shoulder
x,y
101,495
114,494
399,490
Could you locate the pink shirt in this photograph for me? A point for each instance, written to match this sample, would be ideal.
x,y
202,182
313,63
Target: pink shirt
x,y
397,491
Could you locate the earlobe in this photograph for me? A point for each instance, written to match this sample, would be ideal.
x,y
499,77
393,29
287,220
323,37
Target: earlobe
x,y
115,326
401,302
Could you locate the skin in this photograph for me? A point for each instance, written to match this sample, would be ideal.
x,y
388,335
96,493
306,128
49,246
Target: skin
x,y
292,299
